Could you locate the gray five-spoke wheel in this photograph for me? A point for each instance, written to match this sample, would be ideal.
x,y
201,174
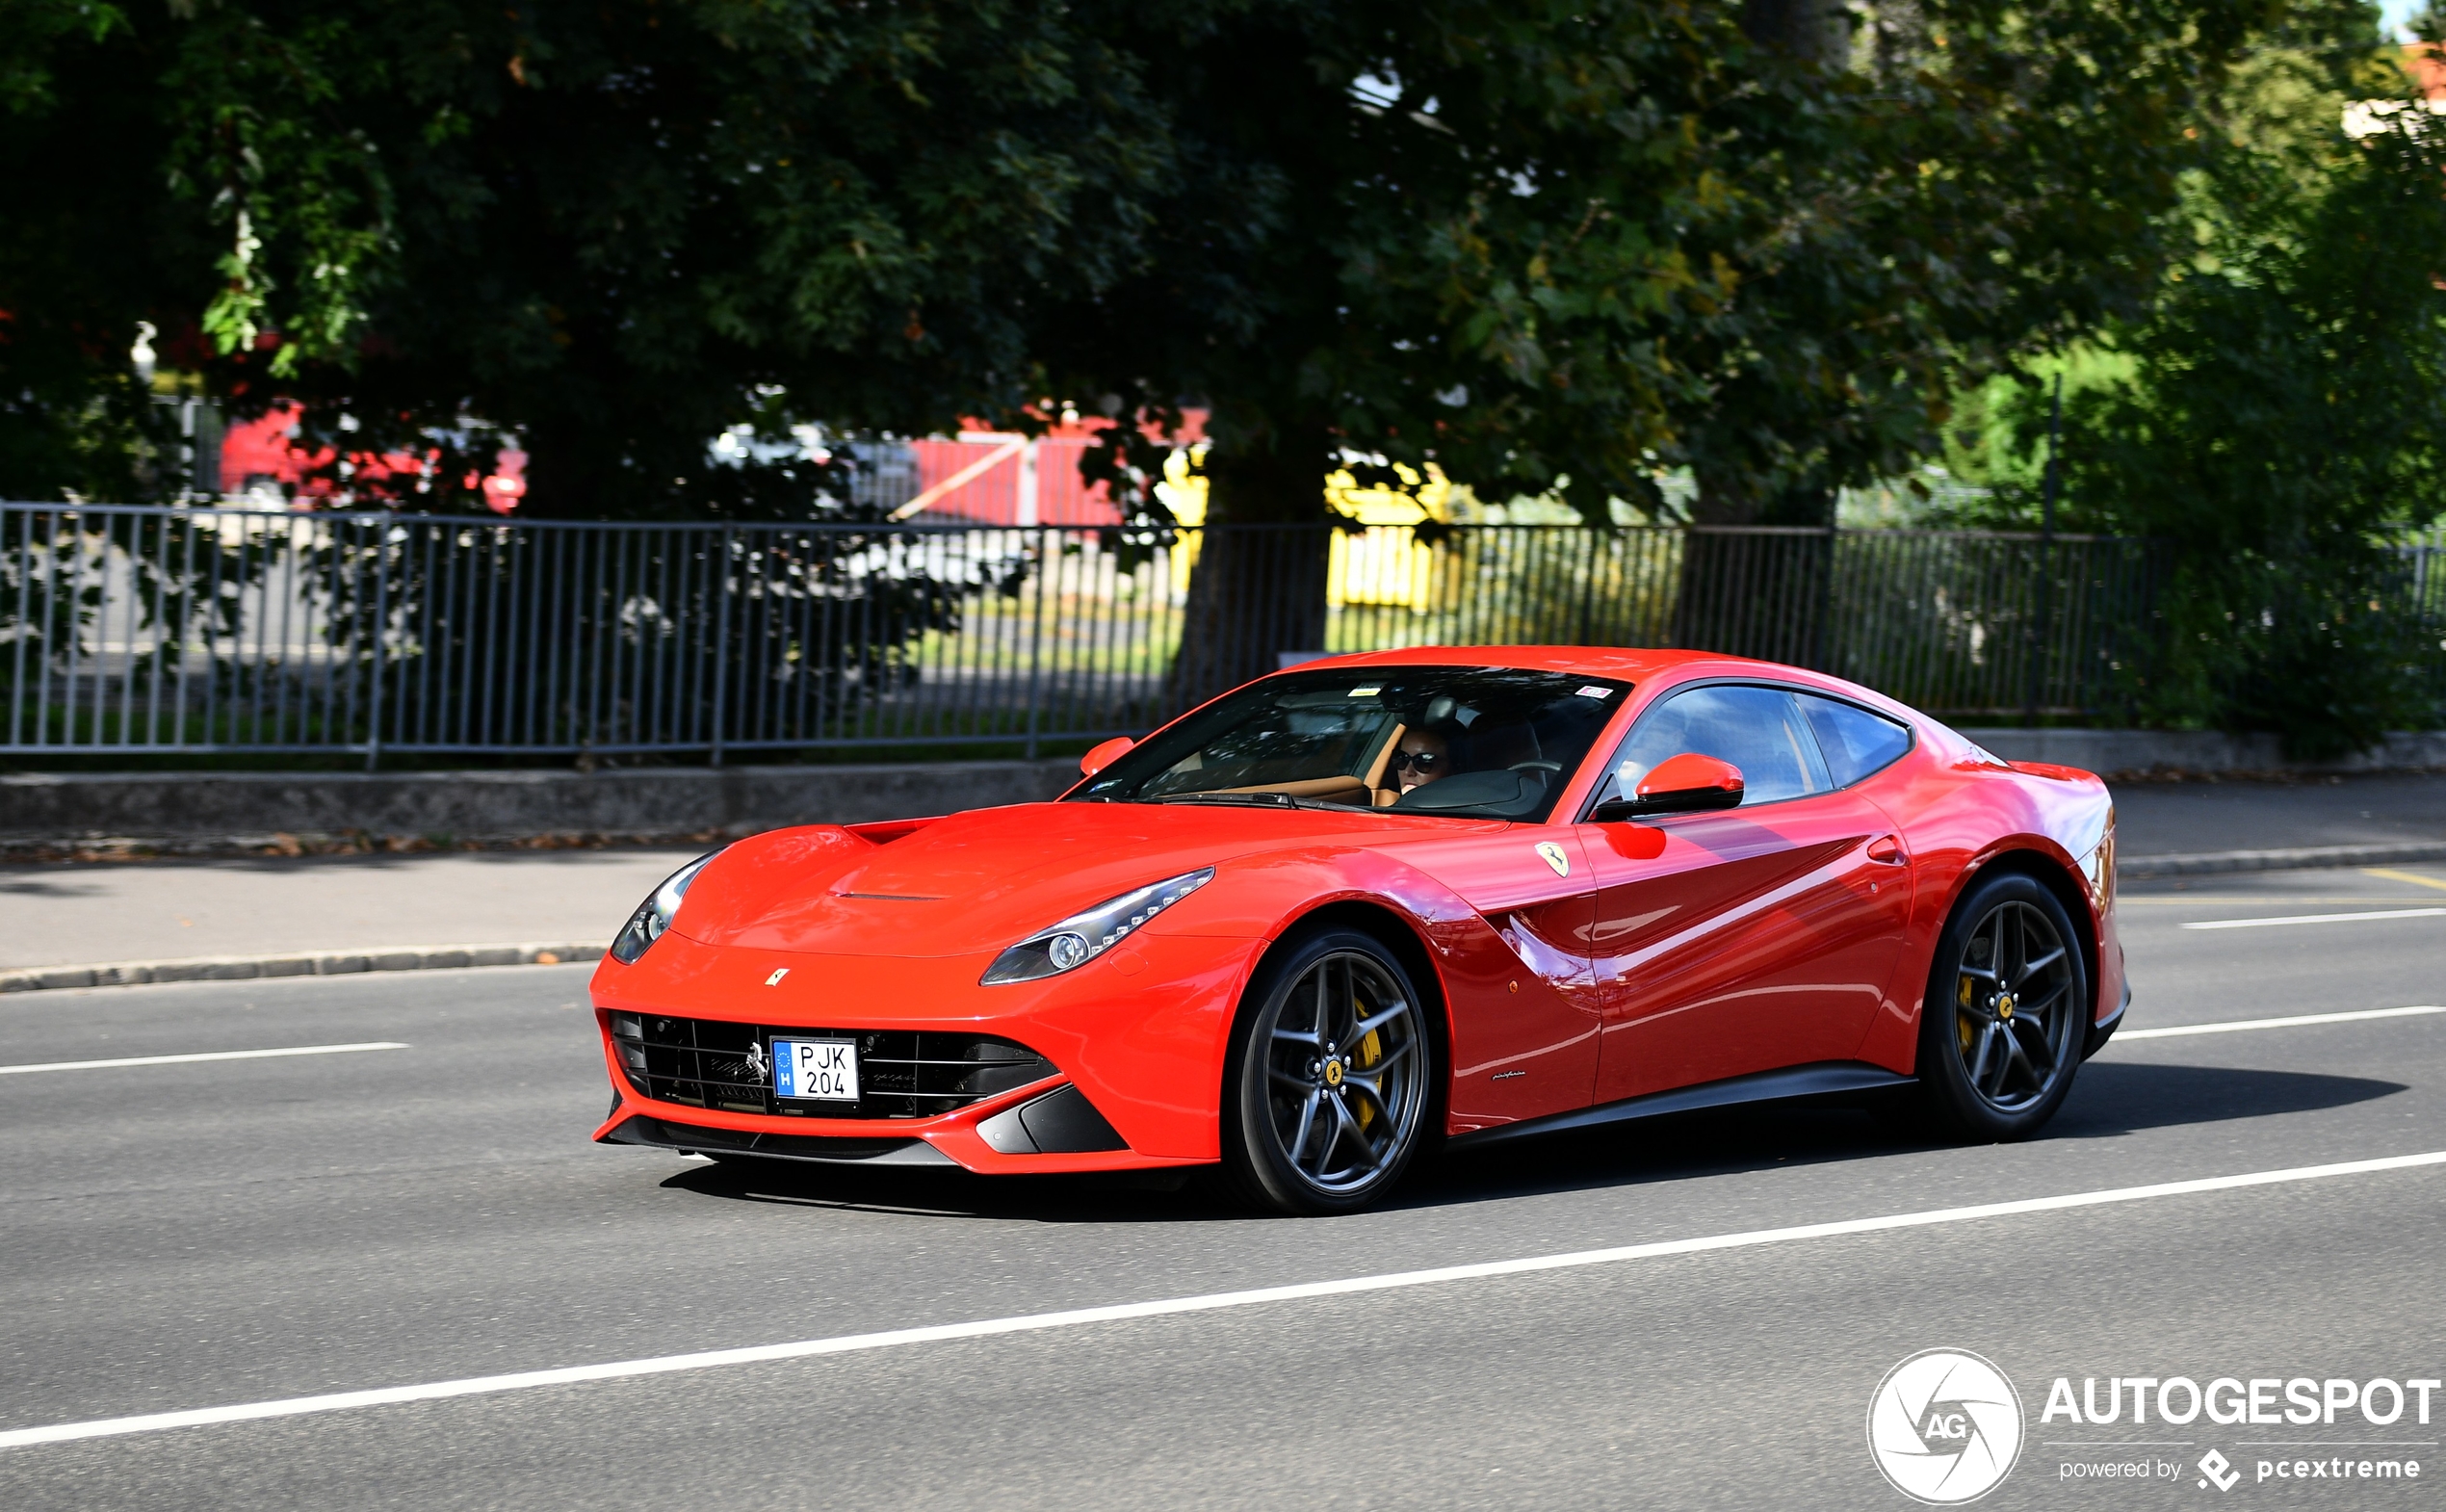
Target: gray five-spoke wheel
x,y
1346,1072
2015,1018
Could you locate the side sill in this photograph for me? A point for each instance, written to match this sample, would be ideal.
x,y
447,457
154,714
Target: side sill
x,y
2104,1029
689,1139
1826,1079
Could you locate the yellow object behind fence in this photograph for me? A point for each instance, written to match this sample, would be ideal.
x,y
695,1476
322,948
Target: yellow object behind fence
x,y
1384,564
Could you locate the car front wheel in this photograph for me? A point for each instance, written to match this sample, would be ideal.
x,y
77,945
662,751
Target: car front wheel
x,y
1327,1087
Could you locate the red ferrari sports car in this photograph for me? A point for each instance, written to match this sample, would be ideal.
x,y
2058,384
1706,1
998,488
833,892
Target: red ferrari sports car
x,y
1440,894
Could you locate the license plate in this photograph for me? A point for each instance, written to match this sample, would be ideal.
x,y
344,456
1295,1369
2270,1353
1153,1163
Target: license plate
x,y
824,1070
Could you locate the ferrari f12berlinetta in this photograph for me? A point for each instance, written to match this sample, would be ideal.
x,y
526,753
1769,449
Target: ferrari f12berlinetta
x,y
1379,900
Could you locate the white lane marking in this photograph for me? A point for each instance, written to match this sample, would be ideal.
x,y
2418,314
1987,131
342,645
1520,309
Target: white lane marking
x,y
215,1054
2262,923
2236,1025
849,1344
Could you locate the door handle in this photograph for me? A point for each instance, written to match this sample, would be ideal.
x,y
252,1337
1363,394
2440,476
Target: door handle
x,y
1886,849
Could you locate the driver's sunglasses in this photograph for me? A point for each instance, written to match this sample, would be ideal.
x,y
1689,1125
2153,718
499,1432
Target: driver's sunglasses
x,y
1417,760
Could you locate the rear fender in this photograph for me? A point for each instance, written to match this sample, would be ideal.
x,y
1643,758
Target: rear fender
x,y
1969,814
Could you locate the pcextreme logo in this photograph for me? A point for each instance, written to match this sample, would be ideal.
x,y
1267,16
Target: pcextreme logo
x,y
1944,1426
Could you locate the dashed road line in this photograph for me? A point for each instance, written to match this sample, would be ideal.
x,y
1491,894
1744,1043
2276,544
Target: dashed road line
x,y
2293,1021
212,1054
2262,923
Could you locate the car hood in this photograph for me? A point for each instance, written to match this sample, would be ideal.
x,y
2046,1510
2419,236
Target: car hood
x,y
987,878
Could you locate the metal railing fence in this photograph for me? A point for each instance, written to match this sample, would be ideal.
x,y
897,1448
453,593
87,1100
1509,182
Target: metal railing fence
x,y
131,629
2424,598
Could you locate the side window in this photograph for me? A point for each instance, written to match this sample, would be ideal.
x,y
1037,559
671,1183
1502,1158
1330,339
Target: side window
x,y
1758,729
1855,740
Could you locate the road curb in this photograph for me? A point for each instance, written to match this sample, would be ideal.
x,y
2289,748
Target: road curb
x,y
330,963
2206,863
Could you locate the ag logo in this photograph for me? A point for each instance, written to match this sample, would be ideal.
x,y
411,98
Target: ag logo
x,y
1554,858
1944,1426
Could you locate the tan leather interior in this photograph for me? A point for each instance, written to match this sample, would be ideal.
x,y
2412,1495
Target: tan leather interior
x,y
1347,789
1368,790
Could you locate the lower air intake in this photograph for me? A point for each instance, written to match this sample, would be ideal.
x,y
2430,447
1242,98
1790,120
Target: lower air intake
x,y
831,1150
714,1063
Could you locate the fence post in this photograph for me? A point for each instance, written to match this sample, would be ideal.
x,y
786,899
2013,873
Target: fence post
x,y
722,639
381,616
1044,559
2046,552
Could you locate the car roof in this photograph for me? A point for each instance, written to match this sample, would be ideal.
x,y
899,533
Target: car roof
x,y
1630,665
1619,662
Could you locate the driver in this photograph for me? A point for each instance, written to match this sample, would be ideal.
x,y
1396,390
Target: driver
x,y
1423,757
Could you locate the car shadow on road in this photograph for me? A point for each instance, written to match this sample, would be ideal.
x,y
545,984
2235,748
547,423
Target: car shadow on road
x,y
2109,1100
2114,1098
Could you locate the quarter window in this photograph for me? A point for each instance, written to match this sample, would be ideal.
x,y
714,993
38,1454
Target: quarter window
x,y
1856,741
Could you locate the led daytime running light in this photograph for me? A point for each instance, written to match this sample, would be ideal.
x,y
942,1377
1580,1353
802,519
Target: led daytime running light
x,y
1083,936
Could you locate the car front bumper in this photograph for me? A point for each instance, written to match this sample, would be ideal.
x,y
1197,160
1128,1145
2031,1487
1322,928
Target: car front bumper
x,y
1138,1034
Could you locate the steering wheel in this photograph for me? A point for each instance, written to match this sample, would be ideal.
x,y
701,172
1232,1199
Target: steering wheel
x,y
1535,766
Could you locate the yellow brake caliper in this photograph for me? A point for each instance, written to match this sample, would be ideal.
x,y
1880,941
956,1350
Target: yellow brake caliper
x,y
1369,1052
1962,1021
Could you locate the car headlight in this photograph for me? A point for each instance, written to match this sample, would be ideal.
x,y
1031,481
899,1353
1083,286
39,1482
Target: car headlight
x,y
654,915
1083,936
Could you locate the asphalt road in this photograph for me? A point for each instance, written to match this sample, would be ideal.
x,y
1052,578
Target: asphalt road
x,y
207,1233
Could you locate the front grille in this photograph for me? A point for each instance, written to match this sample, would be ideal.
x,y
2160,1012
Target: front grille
x,y
901,1073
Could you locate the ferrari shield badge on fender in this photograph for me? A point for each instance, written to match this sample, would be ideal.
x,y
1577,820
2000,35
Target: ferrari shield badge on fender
x,y
1554,858
774,981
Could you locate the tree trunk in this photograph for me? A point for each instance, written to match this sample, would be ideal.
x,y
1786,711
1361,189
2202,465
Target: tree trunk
x,y
1258,586
1761,596
564,479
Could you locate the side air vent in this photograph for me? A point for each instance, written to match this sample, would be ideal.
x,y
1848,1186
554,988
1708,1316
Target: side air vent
x,y
1058,1122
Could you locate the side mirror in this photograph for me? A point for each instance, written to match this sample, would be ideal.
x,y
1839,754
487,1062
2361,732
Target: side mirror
x,y
1105,755
1683,784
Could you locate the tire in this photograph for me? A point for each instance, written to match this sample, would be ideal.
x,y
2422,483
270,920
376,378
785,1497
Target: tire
x,y
1324,1118
2007,1013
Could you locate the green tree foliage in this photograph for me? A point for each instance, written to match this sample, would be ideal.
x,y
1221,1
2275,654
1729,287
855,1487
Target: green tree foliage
x,y
1964,182
1554,246
84,255
612,230
2282,406
1557,248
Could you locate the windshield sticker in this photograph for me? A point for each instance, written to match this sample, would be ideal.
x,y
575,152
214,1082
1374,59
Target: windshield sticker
x,y
1365,692
1595,693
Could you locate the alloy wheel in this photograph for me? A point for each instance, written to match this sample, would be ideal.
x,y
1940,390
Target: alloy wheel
x,y
1345,1074
2013,1018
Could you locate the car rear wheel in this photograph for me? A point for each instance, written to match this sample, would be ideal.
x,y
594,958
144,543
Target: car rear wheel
x,y
1327,1087
2007,1012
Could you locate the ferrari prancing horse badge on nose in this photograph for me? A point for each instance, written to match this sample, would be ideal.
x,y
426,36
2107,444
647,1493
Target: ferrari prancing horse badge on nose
x,y
1554,858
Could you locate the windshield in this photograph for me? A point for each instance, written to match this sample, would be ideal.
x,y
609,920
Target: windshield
x,y
1482,742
